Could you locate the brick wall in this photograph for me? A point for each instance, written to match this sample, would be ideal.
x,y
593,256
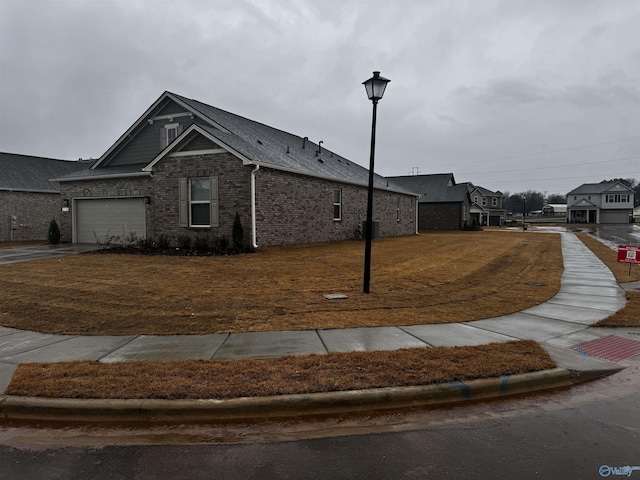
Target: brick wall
x,y
439,216
34,211
290,209
299,209
234,194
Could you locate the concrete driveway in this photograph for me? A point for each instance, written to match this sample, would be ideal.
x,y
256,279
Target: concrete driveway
x,y
25,254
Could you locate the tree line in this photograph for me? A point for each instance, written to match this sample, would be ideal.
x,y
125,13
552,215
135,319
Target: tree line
x,y
533,200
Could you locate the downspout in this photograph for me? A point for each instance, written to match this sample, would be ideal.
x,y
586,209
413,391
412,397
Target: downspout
x,y
254,243
417,206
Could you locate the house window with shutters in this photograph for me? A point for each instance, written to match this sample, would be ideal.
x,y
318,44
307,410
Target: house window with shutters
x,y
198,202
337,204
169,133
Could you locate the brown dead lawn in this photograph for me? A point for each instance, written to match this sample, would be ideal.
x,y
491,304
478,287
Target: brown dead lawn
x,y
199,379
629,316
430,278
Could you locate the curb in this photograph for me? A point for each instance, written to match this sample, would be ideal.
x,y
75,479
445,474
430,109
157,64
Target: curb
x,y
247,408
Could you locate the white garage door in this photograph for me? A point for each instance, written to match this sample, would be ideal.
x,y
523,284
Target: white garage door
x,y
614,216
97,220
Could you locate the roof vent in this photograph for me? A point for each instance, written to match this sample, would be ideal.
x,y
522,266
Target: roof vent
x,y
287,148
304,142
321,160
320,146
259,142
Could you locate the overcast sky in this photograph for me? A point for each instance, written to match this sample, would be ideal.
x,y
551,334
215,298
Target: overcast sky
x,y
510,95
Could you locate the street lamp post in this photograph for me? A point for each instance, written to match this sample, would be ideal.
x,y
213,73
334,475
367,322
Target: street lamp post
x,y
375,87
524,213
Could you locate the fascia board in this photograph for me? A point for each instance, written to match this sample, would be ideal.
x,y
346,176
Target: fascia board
x,y
27,190
100,177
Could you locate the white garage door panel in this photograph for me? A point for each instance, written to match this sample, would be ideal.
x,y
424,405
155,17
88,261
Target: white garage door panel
x,y
614,216
100,219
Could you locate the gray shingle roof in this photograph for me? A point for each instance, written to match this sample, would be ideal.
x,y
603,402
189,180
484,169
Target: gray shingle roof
x,y
436,188
586,188
32,174
267,145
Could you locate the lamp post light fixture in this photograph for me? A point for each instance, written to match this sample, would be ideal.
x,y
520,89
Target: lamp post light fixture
x,y
375,87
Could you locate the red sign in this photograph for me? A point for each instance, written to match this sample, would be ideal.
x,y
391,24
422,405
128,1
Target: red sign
x,y
628,254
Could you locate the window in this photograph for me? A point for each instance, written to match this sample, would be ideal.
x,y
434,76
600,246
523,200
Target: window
x,y
169,133
617,198
475,200
484,201
337,204
494,201
198,202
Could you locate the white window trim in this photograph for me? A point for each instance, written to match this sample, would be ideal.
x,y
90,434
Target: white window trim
x,y
171,126
337,204
199,202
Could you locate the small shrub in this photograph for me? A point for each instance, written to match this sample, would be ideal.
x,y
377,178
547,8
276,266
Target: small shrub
x,y
222,244
184,242
54,233
237,235
201,244
163,241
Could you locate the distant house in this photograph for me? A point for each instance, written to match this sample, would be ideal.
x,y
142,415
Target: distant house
x,y
605,202
555,210
486,206
185,169
636,214
443,204
28,200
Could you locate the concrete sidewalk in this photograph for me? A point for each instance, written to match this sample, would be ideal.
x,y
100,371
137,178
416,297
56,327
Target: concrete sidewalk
x,y
38,252
588,293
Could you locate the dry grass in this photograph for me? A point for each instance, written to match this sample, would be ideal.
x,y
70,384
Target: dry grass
x,y
431,278
288,375
629,316
610,259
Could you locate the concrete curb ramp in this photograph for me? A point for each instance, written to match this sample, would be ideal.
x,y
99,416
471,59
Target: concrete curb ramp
x,y
282,406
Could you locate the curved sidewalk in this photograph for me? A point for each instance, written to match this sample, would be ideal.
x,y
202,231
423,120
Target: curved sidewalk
x,y
588,293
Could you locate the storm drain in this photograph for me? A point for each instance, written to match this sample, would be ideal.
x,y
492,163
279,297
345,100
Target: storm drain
x,y
610,348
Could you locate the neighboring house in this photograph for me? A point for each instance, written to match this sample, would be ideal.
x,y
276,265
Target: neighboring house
x,y
605,202
486,206
555,210
28,200
185,168
443,204
636,214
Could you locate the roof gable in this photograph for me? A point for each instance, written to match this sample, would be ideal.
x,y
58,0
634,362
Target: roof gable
x,y
253,142
595,188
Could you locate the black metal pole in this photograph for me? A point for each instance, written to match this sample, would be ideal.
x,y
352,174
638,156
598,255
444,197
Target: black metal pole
x,y
524,212
369,227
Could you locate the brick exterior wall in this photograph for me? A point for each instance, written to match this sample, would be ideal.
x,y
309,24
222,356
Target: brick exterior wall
x,y
294,208
34,211
440,216
291,208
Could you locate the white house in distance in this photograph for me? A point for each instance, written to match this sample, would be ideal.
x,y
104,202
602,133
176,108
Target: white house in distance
x,y
605,202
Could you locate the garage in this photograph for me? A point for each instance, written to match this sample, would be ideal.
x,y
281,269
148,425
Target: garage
x,y
614,216
109,219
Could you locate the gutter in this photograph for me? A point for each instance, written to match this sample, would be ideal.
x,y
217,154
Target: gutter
x,y
254,243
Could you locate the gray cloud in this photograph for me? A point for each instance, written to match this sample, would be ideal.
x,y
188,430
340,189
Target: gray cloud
x,y
483,89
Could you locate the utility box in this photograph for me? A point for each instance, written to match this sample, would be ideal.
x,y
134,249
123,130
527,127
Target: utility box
x,y
375,230
14,222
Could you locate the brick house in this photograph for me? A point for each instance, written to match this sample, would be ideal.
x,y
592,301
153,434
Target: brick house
x,y
443,204
28,200
185,168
